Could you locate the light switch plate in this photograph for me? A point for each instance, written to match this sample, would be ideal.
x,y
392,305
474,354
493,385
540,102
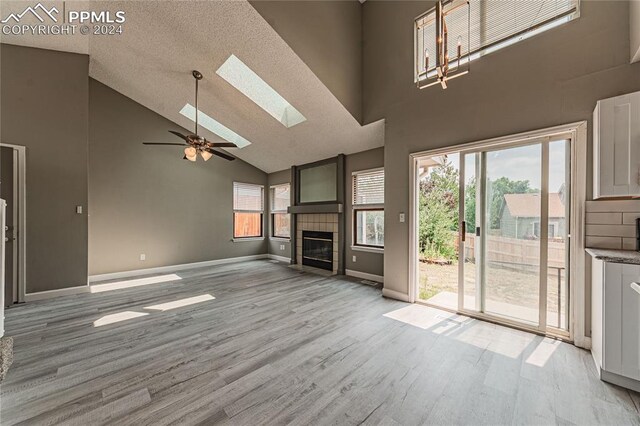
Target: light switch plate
x,y
143,256
354,259
79,209
401,217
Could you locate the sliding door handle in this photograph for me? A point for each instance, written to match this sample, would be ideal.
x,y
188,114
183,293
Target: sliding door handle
x,y
477,231
464,231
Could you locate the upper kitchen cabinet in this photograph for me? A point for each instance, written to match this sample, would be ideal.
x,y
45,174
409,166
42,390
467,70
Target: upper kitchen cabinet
x,y
616,143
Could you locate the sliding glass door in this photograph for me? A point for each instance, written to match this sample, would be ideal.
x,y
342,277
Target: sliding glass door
x,y
512,243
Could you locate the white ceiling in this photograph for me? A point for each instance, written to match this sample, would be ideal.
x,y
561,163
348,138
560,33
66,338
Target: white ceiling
x,y
163,41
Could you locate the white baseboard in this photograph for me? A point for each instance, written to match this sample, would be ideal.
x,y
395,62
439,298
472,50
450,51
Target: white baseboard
x,y
48,294
280,258
172,268
392,294
364,275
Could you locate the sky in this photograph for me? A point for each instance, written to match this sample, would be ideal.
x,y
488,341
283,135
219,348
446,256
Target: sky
x,y
523,163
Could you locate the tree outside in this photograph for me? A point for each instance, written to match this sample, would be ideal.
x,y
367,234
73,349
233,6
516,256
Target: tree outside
x,y
439,213
438,224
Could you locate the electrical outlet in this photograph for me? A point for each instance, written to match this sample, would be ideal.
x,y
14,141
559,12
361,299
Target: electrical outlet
x,y
143,256
354,259
78,209
401,217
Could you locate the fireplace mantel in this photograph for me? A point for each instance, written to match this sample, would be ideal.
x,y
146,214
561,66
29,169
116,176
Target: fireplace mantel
x,y
316,208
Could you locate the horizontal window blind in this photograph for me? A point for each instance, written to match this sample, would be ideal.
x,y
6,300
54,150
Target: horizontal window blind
x,y
280,198
491,22
368,187
248,197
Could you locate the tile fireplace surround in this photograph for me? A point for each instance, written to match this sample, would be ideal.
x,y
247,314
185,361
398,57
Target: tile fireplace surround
x,y
323,222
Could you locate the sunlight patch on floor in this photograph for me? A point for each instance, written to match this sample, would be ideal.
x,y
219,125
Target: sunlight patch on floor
x,y
426,318
99,288
543,352
120,316
180,303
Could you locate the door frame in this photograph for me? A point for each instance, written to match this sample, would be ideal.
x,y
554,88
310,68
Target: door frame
x,y
20,212
577,131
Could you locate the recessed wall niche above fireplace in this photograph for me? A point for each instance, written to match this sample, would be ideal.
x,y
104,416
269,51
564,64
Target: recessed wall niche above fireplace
x,y
318,196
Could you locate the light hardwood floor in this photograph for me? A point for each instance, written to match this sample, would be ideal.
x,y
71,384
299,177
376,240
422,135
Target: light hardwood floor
x,y
280,346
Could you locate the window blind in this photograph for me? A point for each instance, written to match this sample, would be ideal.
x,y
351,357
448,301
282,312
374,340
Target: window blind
x,y
491,22
280,198
248,197
368,187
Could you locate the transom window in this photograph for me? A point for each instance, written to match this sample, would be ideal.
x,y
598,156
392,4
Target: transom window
x,y
490,25
368,208
280,219
248,208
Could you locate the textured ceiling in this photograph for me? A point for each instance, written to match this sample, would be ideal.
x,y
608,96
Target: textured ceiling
x,y
163,41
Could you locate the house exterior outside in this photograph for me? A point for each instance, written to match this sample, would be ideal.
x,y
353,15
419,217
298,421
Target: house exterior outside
x,y
520,216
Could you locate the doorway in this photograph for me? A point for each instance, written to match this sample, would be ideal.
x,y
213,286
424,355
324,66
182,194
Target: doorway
x,y
12,174
492,231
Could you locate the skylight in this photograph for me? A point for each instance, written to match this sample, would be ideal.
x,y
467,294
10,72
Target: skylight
x,y
240,76
212,125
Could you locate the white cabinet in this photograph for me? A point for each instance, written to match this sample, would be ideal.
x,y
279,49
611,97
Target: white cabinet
x,y
615,322
616,147
3,209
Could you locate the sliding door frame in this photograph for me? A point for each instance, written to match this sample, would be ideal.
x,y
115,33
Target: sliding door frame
x,y
576,276
20,218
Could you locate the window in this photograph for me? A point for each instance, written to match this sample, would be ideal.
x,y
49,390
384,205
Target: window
x,y
243,78
551,233
214,126
368,208
280,219
493,25
248,206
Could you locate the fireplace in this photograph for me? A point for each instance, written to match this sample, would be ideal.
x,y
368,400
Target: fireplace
x,y
317,249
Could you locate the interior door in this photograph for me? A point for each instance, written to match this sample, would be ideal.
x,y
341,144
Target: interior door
x,y
7,193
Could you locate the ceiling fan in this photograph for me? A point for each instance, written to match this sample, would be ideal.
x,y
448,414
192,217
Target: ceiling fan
x,y
195,144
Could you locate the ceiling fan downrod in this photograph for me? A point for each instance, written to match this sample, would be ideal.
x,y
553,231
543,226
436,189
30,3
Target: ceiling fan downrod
x,y
198,76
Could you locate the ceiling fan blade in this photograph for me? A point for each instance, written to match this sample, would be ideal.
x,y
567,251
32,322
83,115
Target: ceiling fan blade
x,y
163,143
178,134
221,154
221,144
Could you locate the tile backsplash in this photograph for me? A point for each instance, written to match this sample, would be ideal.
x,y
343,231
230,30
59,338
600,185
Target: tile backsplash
x,y
611,224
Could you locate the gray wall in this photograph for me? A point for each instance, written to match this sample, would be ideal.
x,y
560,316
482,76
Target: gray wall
x,y
277,178
550,79
370,263
327,36
45,108
148,200
634,36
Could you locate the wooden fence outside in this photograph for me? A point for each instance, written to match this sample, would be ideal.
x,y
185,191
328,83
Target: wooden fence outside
x,y
516,251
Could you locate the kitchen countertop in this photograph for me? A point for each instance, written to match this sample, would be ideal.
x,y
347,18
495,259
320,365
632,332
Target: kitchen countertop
x,y
616,256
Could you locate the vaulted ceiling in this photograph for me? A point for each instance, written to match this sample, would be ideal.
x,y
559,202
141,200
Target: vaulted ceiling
x,y
151,63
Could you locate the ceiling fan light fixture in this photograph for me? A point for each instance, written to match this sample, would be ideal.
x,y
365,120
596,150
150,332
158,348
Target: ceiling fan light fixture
x,y
190,151
206,155
192,158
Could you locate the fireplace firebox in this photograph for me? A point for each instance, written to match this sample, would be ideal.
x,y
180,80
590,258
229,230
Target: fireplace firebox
x,y
317,249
